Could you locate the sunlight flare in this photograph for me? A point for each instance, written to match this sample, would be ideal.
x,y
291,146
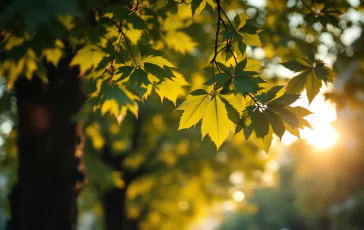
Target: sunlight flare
x,y
323,135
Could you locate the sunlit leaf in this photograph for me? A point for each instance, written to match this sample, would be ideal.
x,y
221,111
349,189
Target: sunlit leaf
x,y
313,86
276,123
194,108
87,57
216,122
157,60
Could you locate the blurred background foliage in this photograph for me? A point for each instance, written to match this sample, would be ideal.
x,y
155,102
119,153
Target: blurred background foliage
x,y
147,173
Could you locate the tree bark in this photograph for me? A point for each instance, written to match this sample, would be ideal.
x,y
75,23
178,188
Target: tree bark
x,y
45,194
114,202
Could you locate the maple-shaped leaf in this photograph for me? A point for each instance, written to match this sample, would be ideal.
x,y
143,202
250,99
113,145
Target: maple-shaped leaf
x,y
215,122
198,6
87,57
247,84
194,108
234,104
172,88
265,142
260,123
139,81
248,34
179,41
276,123
240,20
219,79
313,86
311,73
159,72
157,60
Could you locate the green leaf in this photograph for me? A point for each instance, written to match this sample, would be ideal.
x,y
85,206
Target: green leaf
x,y
313,86
251,39
125,72
233,114
157,60
198,92
198,6
139,81
241,65
295,66
159,72
246,85
137,22
265,142
272,92
324,73
239,20
241,46
262,97
310,54
287,116
216,122
247,74
249,29
248,130
104,63
297,84
260,123
194,108
223,67
234,105
285,99
220,79
276,123
117,93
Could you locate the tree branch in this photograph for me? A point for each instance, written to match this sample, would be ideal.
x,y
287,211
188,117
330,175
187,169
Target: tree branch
x,y
305,4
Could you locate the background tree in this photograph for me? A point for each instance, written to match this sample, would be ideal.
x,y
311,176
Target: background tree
x,y
170,178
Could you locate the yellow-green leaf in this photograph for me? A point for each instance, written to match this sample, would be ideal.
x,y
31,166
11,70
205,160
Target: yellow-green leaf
x,y
172,89
216,123
265,142
157,60
194,108
87,57
297,84
313,86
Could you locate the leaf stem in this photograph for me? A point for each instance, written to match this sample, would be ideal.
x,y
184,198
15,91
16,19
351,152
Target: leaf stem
x,y
256,102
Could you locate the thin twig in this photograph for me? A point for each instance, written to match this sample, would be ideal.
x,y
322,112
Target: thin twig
x,y
232,52
304,3
217,30
256,102
223,11
131,52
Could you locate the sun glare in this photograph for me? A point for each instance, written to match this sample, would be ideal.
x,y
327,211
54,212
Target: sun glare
x,y
322,138
323,135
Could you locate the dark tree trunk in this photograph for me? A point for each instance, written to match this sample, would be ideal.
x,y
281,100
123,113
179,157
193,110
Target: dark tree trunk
x,y
45,195
115,199
114,202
